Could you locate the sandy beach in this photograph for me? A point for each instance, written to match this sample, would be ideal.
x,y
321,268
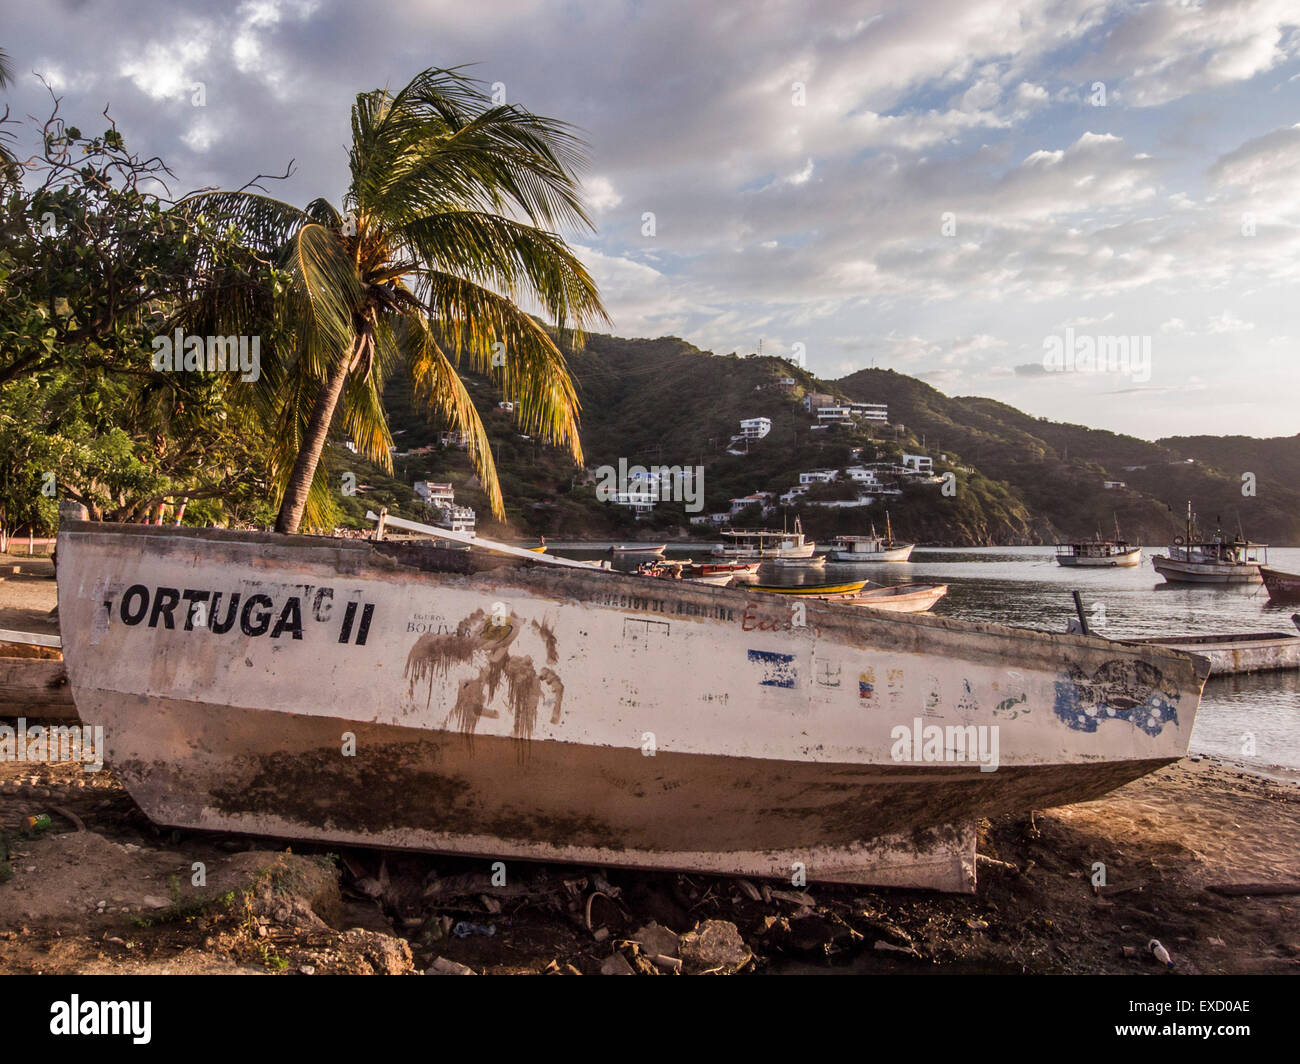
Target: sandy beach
x,y
1202,855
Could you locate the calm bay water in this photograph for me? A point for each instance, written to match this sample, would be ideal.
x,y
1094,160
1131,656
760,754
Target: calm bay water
x,y
1024,586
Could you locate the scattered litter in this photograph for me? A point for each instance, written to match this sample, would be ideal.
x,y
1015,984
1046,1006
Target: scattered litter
x,y
714,946
464,929
655,940
70,817
616,964
1160,953
749,890
889,947
490,903
794,897
307,969
444,966
668,964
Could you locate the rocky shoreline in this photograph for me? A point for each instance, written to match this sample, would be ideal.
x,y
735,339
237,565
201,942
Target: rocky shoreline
x,y
1202,855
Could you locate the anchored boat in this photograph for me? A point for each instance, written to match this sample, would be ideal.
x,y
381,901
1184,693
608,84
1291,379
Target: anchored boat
x,y
1236,652
404,695
763,545
1101,553
1281,587
1199,560
872,548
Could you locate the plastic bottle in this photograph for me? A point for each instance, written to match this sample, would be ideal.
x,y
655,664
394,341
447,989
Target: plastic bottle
x,y
1160,953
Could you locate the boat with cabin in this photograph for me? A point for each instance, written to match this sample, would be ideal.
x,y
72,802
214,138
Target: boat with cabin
x,y
764,545
872,548
1098,553
1197,559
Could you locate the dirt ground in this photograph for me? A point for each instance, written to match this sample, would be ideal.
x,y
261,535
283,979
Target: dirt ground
x,y
103,890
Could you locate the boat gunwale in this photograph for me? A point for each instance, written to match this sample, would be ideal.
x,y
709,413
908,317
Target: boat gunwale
x,y
984,640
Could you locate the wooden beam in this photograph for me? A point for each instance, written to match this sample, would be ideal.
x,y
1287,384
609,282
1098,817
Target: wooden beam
x,y
36,639
480,542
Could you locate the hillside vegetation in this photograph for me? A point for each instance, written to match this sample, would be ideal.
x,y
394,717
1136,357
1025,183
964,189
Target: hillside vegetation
x,y
1016,479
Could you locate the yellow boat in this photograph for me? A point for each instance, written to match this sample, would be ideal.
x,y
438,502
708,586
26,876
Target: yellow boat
x,y
852,587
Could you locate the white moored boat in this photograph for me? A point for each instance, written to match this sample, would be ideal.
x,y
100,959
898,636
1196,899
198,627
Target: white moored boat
x,y
1212,560
762,545
404,695
872,548
1104,554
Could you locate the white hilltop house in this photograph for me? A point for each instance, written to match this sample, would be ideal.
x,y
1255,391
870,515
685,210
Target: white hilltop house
x,y
871,411
919,464
441,500
754,428
759,498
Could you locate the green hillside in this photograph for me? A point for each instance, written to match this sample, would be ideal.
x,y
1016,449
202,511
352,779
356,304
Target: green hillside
x,y
1016,479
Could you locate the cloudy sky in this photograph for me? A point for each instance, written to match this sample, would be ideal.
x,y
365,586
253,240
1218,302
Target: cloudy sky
x,y
950,188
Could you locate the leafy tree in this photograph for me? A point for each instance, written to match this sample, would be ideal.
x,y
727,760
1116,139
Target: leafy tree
x,y
446,227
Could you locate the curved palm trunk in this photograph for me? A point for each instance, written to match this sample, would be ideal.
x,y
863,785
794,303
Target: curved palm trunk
x,y
318,428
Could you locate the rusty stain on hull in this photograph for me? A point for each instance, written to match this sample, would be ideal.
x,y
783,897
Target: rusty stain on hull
x,y
479,641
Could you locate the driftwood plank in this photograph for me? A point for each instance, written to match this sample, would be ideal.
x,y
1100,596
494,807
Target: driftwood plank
x,y
1245,890
30,686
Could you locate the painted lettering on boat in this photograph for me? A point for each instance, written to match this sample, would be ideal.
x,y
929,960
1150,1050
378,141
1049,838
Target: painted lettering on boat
x,y
673,607
750,621
1127,689
257,614
478,641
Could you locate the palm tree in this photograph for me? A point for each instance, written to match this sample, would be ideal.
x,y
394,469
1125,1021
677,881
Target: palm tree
x,y
447,226
6,79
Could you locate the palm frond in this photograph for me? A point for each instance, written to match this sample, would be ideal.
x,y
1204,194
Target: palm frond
x,y
528,365
522,261
436,383
324,297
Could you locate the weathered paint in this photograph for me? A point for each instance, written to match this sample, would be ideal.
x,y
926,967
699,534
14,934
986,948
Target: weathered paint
x,y
506,711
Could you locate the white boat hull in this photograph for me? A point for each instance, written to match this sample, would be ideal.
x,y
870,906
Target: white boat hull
x,y
1177,571
1125,560
897,554
360,695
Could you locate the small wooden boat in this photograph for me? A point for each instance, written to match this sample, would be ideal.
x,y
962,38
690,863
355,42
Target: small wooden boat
x,y
815,561
714,568
489,718
641,548
901,598
1235,652
851,587
1282,587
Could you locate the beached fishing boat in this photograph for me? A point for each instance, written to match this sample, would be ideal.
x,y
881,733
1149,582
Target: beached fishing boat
x,y
1281,587
902,598
763,545
847,550
359,692
1211,560
1235,652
